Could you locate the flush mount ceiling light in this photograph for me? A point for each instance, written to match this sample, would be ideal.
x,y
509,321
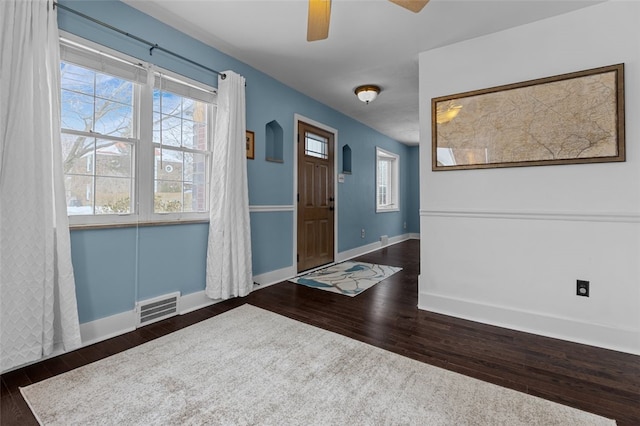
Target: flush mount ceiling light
x,y
367,93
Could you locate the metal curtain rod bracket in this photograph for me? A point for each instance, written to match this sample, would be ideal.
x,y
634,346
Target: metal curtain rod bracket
x,y
152,46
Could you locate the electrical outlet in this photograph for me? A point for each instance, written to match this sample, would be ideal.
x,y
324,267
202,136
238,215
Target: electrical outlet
x,y
404,225
362,233
582,288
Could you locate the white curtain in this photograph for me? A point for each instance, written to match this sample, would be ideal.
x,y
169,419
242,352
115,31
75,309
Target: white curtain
x,y
38,310
229,249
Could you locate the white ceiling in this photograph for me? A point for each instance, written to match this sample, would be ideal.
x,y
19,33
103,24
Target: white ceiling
x,y
370,42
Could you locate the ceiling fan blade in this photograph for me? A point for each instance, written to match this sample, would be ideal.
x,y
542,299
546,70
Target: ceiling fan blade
x,y
413,5
318,23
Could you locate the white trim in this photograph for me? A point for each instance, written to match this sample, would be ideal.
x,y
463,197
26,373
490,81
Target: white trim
x,y
600,335
108,327
368,248
266,209
194,301
394,182
273,277
616,217
414,236
296,119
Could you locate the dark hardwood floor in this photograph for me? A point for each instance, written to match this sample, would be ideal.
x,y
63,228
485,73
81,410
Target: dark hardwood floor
x,y
592,379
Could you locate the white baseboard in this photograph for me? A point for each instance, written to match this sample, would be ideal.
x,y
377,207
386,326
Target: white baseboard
x,y
368,248
194,301
623,340
273,277
106,328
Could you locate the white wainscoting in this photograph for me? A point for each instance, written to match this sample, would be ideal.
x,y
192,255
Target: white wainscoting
x,y
552,310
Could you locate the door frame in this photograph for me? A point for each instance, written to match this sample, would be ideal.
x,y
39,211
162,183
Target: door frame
x,y
296,119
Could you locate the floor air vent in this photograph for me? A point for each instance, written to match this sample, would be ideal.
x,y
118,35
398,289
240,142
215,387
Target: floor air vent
x,y
158,308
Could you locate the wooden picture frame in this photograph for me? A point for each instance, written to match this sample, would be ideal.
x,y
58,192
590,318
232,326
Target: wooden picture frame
x,y
566,119
251,145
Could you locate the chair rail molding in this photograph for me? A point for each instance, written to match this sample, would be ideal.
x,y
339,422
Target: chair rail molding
x,y
616,217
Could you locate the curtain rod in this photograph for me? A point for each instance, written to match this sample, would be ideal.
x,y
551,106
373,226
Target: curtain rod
x,y
153,46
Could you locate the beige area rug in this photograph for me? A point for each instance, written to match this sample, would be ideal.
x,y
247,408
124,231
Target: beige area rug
x,y
251,366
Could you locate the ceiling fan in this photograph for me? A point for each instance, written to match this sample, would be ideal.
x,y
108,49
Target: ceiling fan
x,y
320,11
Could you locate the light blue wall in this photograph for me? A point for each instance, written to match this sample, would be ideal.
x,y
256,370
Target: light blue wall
x,y
116,267
413,189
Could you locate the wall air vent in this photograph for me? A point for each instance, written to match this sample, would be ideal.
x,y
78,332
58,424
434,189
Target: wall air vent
x,y
158,308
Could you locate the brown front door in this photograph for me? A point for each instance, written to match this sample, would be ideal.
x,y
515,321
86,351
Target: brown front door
x,y
315,197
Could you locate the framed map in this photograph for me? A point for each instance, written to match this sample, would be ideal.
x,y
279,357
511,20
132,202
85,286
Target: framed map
x,y
565,119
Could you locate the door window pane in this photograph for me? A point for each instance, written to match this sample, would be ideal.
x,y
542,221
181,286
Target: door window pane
x,y
316,146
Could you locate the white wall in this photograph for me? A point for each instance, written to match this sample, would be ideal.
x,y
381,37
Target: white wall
x,y
505,246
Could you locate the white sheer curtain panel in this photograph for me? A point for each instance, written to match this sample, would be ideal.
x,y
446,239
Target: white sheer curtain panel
x,y
229,248
38,310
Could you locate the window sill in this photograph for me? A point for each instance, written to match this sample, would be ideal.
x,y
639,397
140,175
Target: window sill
x,y
387,209
136,224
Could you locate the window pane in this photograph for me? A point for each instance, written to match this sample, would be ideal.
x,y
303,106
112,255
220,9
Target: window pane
x,y
113,119
168,164
384,169
188,106
386,184
167,103
79,191
196,185
194,110
75,78
96,102
114,158
183,123
316,146
113,195
168,197
77,111
194,135
171,134
77,154
114,88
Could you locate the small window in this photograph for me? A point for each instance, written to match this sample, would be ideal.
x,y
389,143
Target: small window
x,y
316,145
387,182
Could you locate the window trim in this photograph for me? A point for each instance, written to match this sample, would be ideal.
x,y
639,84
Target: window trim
x,y
143,175
394,184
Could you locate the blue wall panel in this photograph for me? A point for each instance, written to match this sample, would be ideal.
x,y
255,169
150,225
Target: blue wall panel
x,y
274,231
413,189
104,264
172,258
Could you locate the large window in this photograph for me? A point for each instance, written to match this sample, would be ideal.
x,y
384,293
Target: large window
x,y
136,140
387,184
